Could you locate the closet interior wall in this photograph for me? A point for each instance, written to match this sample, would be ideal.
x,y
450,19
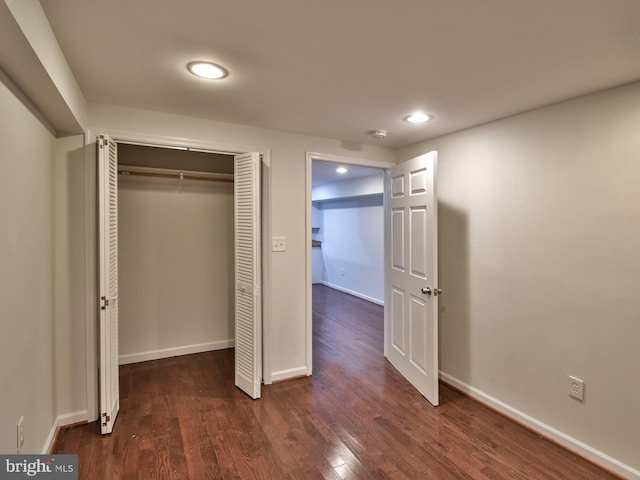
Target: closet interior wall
x,y
175,240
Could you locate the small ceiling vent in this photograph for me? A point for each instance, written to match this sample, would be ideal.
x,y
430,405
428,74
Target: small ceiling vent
x,y
378,134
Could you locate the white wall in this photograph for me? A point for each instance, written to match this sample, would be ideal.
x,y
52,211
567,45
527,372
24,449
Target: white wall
x,y
353,246
42,295
350,214
69,278
175,267
286,337
369,185
539,234
26,306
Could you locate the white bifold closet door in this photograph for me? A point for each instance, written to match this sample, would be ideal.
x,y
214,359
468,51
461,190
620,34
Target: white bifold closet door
x,y
107,153
248,275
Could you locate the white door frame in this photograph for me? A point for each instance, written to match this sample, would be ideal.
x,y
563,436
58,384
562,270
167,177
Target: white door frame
x,y
323,157
91,251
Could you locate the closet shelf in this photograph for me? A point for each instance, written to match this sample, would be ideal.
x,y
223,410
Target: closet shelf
x,y
174,174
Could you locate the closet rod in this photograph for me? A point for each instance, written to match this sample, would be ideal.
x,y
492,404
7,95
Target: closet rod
x,y
174,176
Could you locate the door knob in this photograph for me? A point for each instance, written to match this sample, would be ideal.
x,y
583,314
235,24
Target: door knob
x,y
428,291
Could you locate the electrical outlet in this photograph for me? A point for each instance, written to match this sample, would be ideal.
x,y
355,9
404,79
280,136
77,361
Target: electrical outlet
x,y
20,434
576,388
278,244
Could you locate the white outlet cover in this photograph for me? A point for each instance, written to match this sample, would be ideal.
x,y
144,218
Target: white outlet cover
x,y
20,434
278,244
576,388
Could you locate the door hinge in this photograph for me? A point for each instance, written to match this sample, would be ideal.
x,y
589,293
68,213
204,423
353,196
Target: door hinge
x,y
105,303
107,419
102,141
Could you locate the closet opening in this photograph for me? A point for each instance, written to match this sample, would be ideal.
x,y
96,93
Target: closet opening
x,y
176,252
161,168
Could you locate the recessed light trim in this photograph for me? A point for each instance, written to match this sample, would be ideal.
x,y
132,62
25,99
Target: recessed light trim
x,y
417,117
207,70
341,170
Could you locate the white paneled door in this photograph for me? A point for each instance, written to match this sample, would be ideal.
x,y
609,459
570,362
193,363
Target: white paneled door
x,y
411,272
248,276
107,153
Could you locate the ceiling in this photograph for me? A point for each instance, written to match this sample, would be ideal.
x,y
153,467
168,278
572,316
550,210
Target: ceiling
x,y
325,172
339,69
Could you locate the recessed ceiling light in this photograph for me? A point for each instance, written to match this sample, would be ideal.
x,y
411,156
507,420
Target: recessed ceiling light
x,y
341,170
207,70
418,117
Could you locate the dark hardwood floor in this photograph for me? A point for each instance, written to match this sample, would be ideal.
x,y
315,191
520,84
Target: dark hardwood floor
x,y
355,418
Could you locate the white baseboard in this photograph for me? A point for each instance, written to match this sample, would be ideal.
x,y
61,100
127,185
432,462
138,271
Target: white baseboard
x,y
355,294
548,431
174,352
60,421
290,373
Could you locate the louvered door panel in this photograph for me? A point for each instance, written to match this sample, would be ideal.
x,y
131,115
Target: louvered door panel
x,y
108,246
248,299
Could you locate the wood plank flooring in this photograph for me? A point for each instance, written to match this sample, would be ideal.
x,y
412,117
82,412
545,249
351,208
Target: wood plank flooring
x,y
355,418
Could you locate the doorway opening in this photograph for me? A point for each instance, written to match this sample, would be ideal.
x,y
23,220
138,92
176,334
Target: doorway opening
x,y
345,225
347,229
410,269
